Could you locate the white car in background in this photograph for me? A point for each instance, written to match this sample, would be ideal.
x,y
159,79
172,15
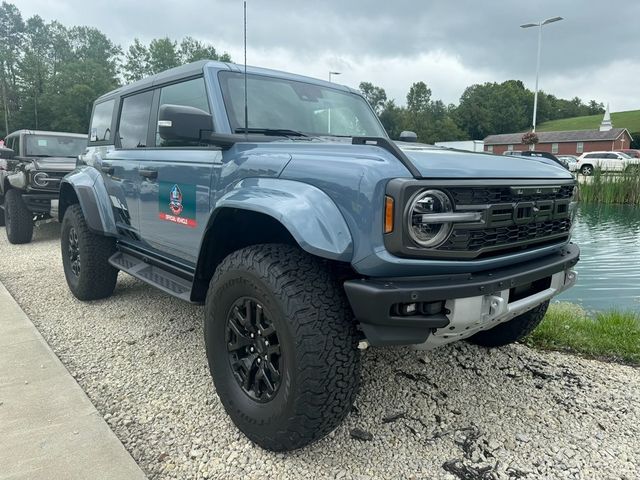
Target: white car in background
x,y
606,162
572,161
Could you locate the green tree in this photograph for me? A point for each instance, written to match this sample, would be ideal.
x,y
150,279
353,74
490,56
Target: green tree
x,y
392,118
163,54
494,108
418,98
192,50
446,130
595,107
376,96
136,64
11,45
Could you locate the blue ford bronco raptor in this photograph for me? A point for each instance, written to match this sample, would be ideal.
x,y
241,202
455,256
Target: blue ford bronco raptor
x,y
306,232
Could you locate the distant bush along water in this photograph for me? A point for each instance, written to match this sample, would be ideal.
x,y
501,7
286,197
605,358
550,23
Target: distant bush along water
x,y
623,188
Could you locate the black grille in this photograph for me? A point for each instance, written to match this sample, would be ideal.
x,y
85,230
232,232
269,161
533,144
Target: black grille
x,y
493,195
473,240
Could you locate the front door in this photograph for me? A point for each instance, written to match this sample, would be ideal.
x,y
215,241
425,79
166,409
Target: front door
x,y
175,187
175,180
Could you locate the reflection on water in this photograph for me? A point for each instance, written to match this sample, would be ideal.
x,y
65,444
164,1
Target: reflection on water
x,y
609,267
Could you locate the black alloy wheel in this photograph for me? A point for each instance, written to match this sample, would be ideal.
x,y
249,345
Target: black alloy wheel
x,y
253,349
74,252
85,257
281,344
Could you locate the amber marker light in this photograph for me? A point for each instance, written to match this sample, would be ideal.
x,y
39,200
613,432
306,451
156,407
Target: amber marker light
x,y
388,214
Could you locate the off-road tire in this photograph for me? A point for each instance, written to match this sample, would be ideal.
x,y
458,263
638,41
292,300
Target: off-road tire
x,y
18,218
96,278
586,170
320,369
513,330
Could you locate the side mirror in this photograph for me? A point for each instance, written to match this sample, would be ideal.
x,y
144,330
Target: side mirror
x,y
408,136
179,122
7,153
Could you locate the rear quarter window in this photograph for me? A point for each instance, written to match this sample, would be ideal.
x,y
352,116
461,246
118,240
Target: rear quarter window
x,y
100,130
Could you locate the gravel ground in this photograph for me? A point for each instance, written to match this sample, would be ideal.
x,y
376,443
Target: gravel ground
x,y
459,412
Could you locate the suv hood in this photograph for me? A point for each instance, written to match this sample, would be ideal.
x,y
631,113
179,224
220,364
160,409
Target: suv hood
x,y
54,164
439,162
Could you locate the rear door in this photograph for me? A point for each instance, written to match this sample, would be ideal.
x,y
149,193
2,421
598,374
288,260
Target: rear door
x,y
175,180
613,162
120,167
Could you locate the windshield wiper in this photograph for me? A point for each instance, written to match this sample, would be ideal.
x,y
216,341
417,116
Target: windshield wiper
x,y
272,131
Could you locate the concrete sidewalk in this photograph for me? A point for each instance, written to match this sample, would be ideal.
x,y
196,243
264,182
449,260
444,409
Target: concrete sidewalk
x,y
48,427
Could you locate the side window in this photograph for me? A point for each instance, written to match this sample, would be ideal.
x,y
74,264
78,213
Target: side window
x,y
100,130
134,120
191,93
591,155
16,145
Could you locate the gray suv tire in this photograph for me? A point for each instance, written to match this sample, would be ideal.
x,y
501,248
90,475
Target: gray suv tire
x,y
85,258
282,345
18,218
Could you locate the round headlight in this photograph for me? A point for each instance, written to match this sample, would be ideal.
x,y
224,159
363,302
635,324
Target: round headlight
x,y
41,179
424,227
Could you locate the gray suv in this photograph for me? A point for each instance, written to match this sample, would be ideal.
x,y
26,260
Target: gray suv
x,y
307,233
32,163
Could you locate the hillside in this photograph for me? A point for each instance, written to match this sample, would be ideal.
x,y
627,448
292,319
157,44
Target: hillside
x,y
629,120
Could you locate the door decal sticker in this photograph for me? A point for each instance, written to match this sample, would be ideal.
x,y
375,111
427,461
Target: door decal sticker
x,y
177,203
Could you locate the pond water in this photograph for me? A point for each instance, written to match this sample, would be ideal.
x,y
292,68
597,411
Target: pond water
x,y
609,267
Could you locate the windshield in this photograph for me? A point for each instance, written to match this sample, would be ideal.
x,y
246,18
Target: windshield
x,y
54,146
624,155
281,104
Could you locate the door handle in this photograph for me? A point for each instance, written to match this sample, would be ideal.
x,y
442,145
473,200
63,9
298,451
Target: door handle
x,y
107,168
147,173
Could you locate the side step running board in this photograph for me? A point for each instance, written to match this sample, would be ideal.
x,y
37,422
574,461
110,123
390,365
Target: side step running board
x,y
159,278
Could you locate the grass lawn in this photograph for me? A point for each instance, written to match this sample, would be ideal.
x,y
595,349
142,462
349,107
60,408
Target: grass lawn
x,y
629,120
612,335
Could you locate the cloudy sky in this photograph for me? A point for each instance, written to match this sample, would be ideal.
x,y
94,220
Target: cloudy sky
x,y
594,53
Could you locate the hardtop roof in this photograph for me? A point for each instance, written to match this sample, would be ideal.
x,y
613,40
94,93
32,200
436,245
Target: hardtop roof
x,y
197,68
27,131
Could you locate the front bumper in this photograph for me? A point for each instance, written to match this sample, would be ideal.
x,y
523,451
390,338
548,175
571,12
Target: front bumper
x,y
41,202
373,299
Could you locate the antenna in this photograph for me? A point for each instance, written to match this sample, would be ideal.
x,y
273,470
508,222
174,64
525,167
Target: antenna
x,y
246,103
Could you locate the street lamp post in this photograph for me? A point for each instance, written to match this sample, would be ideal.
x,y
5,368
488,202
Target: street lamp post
x,y
539,25
329,111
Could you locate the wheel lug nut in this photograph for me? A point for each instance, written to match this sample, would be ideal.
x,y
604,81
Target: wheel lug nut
x,y
258,360
266,342
251,349
252,335
266,357
259,332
